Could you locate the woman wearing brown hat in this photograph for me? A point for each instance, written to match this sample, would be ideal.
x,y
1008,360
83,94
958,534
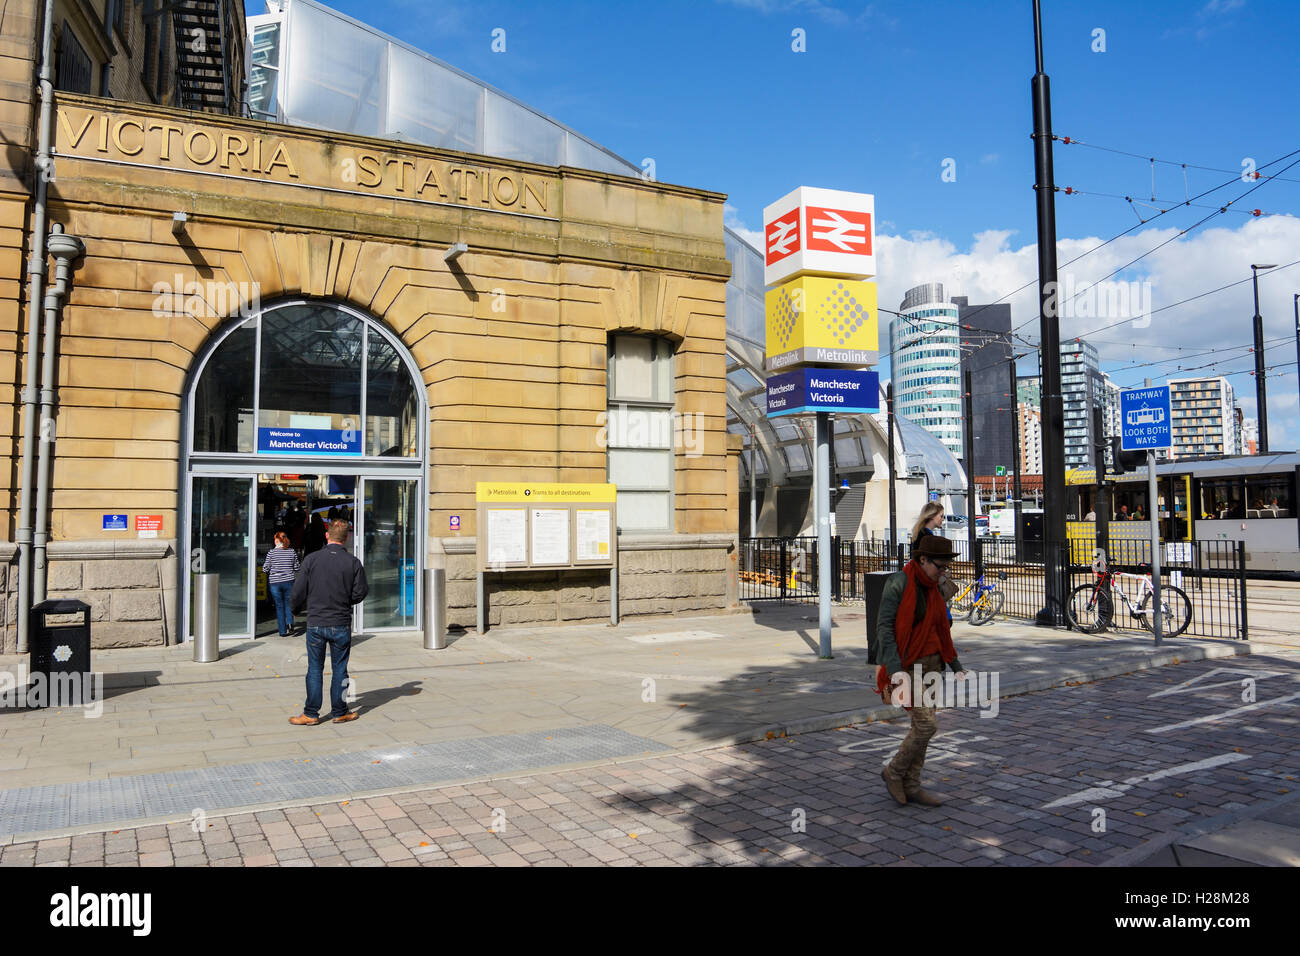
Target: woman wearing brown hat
x,y
913,631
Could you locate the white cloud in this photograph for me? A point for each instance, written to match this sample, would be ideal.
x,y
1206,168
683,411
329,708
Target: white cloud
x,y
826,12
731,219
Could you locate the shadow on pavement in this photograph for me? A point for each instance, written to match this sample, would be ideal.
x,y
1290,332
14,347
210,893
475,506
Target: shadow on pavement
x,y
374,699
797,800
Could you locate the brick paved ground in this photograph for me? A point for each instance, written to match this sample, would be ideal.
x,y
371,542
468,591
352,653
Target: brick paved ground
x,y
811,799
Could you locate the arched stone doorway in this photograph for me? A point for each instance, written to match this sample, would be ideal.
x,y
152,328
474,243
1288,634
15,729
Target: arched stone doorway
x,y
306,410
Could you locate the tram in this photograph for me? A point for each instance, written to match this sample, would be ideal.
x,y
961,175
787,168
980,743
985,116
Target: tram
x,y
1250,498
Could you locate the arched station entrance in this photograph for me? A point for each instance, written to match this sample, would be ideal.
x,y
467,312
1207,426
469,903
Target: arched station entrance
x,y
304,411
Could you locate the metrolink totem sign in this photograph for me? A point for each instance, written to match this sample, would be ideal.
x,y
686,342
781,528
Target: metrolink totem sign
x,y
822,328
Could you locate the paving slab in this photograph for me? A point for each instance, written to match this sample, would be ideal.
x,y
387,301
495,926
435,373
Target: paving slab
x,y
655,685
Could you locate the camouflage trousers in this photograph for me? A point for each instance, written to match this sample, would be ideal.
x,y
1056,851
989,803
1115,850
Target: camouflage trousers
x,y
909,760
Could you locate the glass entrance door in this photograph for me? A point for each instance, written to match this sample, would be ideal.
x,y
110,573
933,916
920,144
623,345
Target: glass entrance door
x,y
302,507
233,520
388,532
219,531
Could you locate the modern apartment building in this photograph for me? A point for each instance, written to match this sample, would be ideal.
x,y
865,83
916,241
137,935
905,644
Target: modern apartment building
x,y
1083,388
925,363
1031,440
1202,418
1110,414
1028,390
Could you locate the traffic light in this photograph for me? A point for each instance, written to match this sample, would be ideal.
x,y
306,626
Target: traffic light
x,y
1125,460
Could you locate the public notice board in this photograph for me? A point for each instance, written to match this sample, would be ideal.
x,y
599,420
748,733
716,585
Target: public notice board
x,y
526,525
507,535
551,535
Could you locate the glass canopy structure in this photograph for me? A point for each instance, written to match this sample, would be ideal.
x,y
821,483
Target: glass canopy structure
x,y
312,66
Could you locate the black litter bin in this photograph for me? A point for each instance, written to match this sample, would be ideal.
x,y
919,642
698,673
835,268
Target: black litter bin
x,y
873,586
60,654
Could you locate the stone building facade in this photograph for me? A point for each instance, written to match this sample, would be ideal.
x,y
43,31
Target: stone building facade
x,y
510,340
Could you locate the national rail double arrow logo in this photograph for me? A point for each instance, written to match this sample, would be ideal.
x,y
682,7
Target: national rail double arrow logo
x,y
783,236
839,230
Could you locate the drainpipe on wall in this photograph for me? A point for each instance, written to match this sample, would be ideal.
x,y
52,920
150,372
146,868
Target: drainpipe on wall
x,y
36,278
64,249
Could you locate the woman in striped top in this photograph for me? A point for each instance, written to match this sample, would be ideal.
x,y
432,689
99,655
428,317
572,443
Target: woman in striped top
x,y
281,567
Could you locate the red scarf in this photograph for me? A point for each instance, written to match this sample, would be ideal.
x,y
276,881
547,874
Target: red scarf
x,y
911,639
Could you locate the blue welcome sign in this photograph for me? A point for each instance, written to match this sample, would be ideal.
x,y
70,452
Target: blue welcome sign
x,y
309,441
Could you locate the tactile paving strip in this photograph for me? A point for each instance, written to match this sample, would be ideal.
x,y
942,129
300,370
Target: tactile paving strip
x,y
29,810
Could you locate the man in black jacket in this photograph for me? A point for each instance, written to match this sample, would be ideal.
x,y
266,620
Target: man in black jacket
x,y
330,581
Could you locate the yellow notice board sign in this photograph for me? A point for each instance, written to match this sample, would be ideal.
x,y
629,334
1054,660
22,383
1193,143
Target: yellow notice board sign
x,y
523,492
826,322
526,525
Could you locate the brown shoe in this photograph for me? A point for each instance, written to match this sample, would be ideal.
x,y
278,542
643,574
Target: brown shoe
x,y
894,783
925,798
350,715
302,720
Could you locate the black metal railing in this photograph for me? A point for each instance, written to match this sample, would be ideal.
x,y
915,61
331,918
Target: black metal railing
x,y
778,569
1211,573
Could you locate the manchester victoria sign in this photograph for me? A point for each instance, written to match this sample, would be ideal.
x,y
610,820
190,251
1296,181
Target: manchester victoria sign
x,y
309,441
823,390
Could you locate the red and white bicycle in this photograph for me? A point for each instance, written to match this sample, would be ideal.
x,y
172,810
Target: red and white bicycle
x,y
1091,607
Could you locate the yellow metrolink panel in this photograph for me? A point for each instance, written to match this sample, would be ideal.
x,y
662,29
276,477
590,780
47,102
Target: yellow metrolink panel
x,y
813,320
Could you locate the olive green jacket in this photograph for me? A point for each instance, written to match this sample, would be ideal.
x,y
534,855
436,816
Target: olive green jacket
x,y
885,649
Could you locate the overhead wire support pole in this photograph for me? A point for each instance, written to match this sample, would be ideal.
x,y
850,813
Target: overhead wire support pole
x,y
1261,390
1050,340
1295,301
1015,457
972,488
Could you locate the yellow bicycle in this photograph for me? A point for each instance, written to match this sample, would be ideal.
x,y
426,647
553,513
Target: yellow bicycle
x,y
979,602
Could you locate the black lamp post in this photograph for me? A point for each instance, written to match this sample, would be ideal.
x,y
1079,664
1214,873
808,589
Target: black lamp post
x,y
1261,395
1053,413
1296,302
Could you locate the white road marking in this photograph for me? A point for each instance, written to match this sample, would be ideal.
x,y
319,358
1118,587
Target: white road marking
x,y
1105,791
1220,716
1195,682
891,743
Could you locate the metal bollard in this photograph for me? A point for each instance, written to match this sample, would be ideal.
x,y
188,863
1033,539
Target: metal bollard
x,y
206,606
435,609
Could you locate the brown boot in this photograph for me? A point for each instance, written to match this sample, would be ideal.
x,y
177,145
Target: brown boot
x,y
894,783
925,798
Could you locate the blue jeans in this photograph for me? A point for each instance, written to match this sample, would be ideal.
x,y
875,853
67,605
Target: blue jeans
x,y
283,616
339,640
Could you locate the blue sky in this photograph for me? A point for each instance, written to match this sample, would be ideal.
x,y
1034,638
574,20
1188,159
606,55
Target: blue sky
x,y
887,91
